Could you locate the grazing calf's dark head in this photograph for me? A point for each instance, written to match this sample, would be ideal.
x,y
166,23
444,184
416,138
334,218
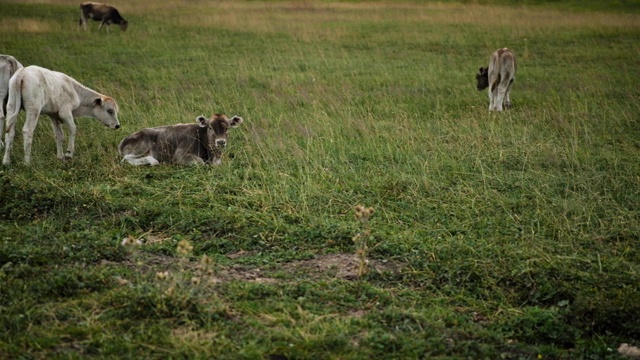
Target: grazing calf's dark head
x,y
216,131
483,78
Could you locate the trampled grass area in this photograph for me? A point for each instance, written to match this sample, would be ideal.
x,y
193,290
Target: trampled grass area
x,y
512,235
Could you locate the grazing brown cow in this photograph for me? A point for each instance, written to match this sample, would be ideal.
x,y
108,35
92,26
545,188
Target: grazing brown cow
x,y
106,14
499,78
189,144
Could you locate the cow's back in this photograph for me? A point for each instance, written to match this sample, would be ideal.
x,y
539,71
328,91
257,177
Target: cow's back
x,y
92,10
502,67
139,143
163,142
502,60
45,88
178,139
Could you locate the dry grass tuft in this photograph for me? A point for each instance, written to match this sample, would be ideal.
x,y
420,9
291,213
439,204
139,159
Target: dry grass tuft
x,y
26,25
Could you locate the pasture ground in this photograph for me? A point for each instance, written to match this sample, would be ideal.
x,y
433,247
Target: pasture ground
x,y
511,235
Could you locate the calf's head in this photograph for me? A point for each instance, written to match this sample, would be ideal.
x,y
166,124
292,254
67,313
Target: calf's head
x,y
216,129
124,24
483,78
105,109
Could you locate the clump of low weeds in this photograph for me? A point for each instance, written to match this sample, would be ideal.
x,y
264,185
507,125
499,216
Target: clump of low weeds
x,y
183,285
363,238
187,279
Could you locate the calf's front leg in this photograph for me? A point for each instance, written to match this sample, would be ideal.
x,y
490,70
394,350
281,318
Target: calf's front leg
x,y
59,137
67,118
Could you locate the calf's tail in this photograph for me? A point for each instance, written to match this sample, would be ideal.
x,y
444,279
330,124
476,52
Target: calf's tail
x,y
15,65
14,104
15,100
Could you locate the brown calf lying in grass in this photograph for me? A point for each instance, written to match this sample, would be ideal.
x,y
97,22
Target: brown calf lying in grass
x,y
189,144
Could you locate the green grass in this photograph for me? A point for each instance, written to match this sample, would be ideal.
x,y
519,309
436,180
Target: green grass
x,y
511,235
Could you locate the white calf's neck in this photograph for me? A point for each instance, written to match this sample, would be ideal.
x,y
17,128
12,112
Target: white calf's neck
x,y
86,97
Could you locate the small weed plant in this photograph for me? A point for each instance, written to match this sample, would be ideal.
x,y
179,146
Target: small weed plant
x,y
363,238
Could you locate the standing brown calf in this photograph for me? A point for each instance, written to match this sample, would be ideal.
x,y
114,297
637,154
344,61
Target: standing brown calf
x,y
106,14
499,78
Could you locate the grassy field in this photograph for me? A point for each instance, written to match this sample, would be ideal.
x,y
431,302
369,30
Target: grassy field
x,y
493,236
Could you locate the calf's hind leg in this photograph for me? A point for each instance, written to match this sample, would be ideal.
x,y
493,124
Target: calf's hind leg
x,y
9,137
137,161
27,133
503,96
507,99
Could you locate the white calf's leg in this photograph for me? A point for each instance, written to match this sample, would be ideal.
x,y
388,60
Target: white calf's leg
x,y
1,130
507,99
493,99
503,89
71,125
2,115
27,133
497,103
8,139
59,137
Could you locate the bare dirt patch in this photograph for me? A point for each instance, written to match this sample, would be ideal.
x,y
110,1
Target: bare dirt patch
x,y
340,266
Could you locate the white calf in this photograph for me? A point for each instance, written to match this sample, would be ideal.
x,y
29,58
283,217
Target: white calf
x,y
62,98
8,66
499,77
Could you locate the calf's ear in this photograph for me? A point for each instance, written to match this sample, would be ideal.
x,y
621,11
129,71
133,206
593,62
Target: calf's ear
x,y
97,102
202,121
235,121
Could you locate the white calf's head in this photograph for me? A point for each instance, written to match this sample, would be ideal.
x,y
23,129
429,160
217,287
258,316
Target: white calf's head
x,y
105,109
